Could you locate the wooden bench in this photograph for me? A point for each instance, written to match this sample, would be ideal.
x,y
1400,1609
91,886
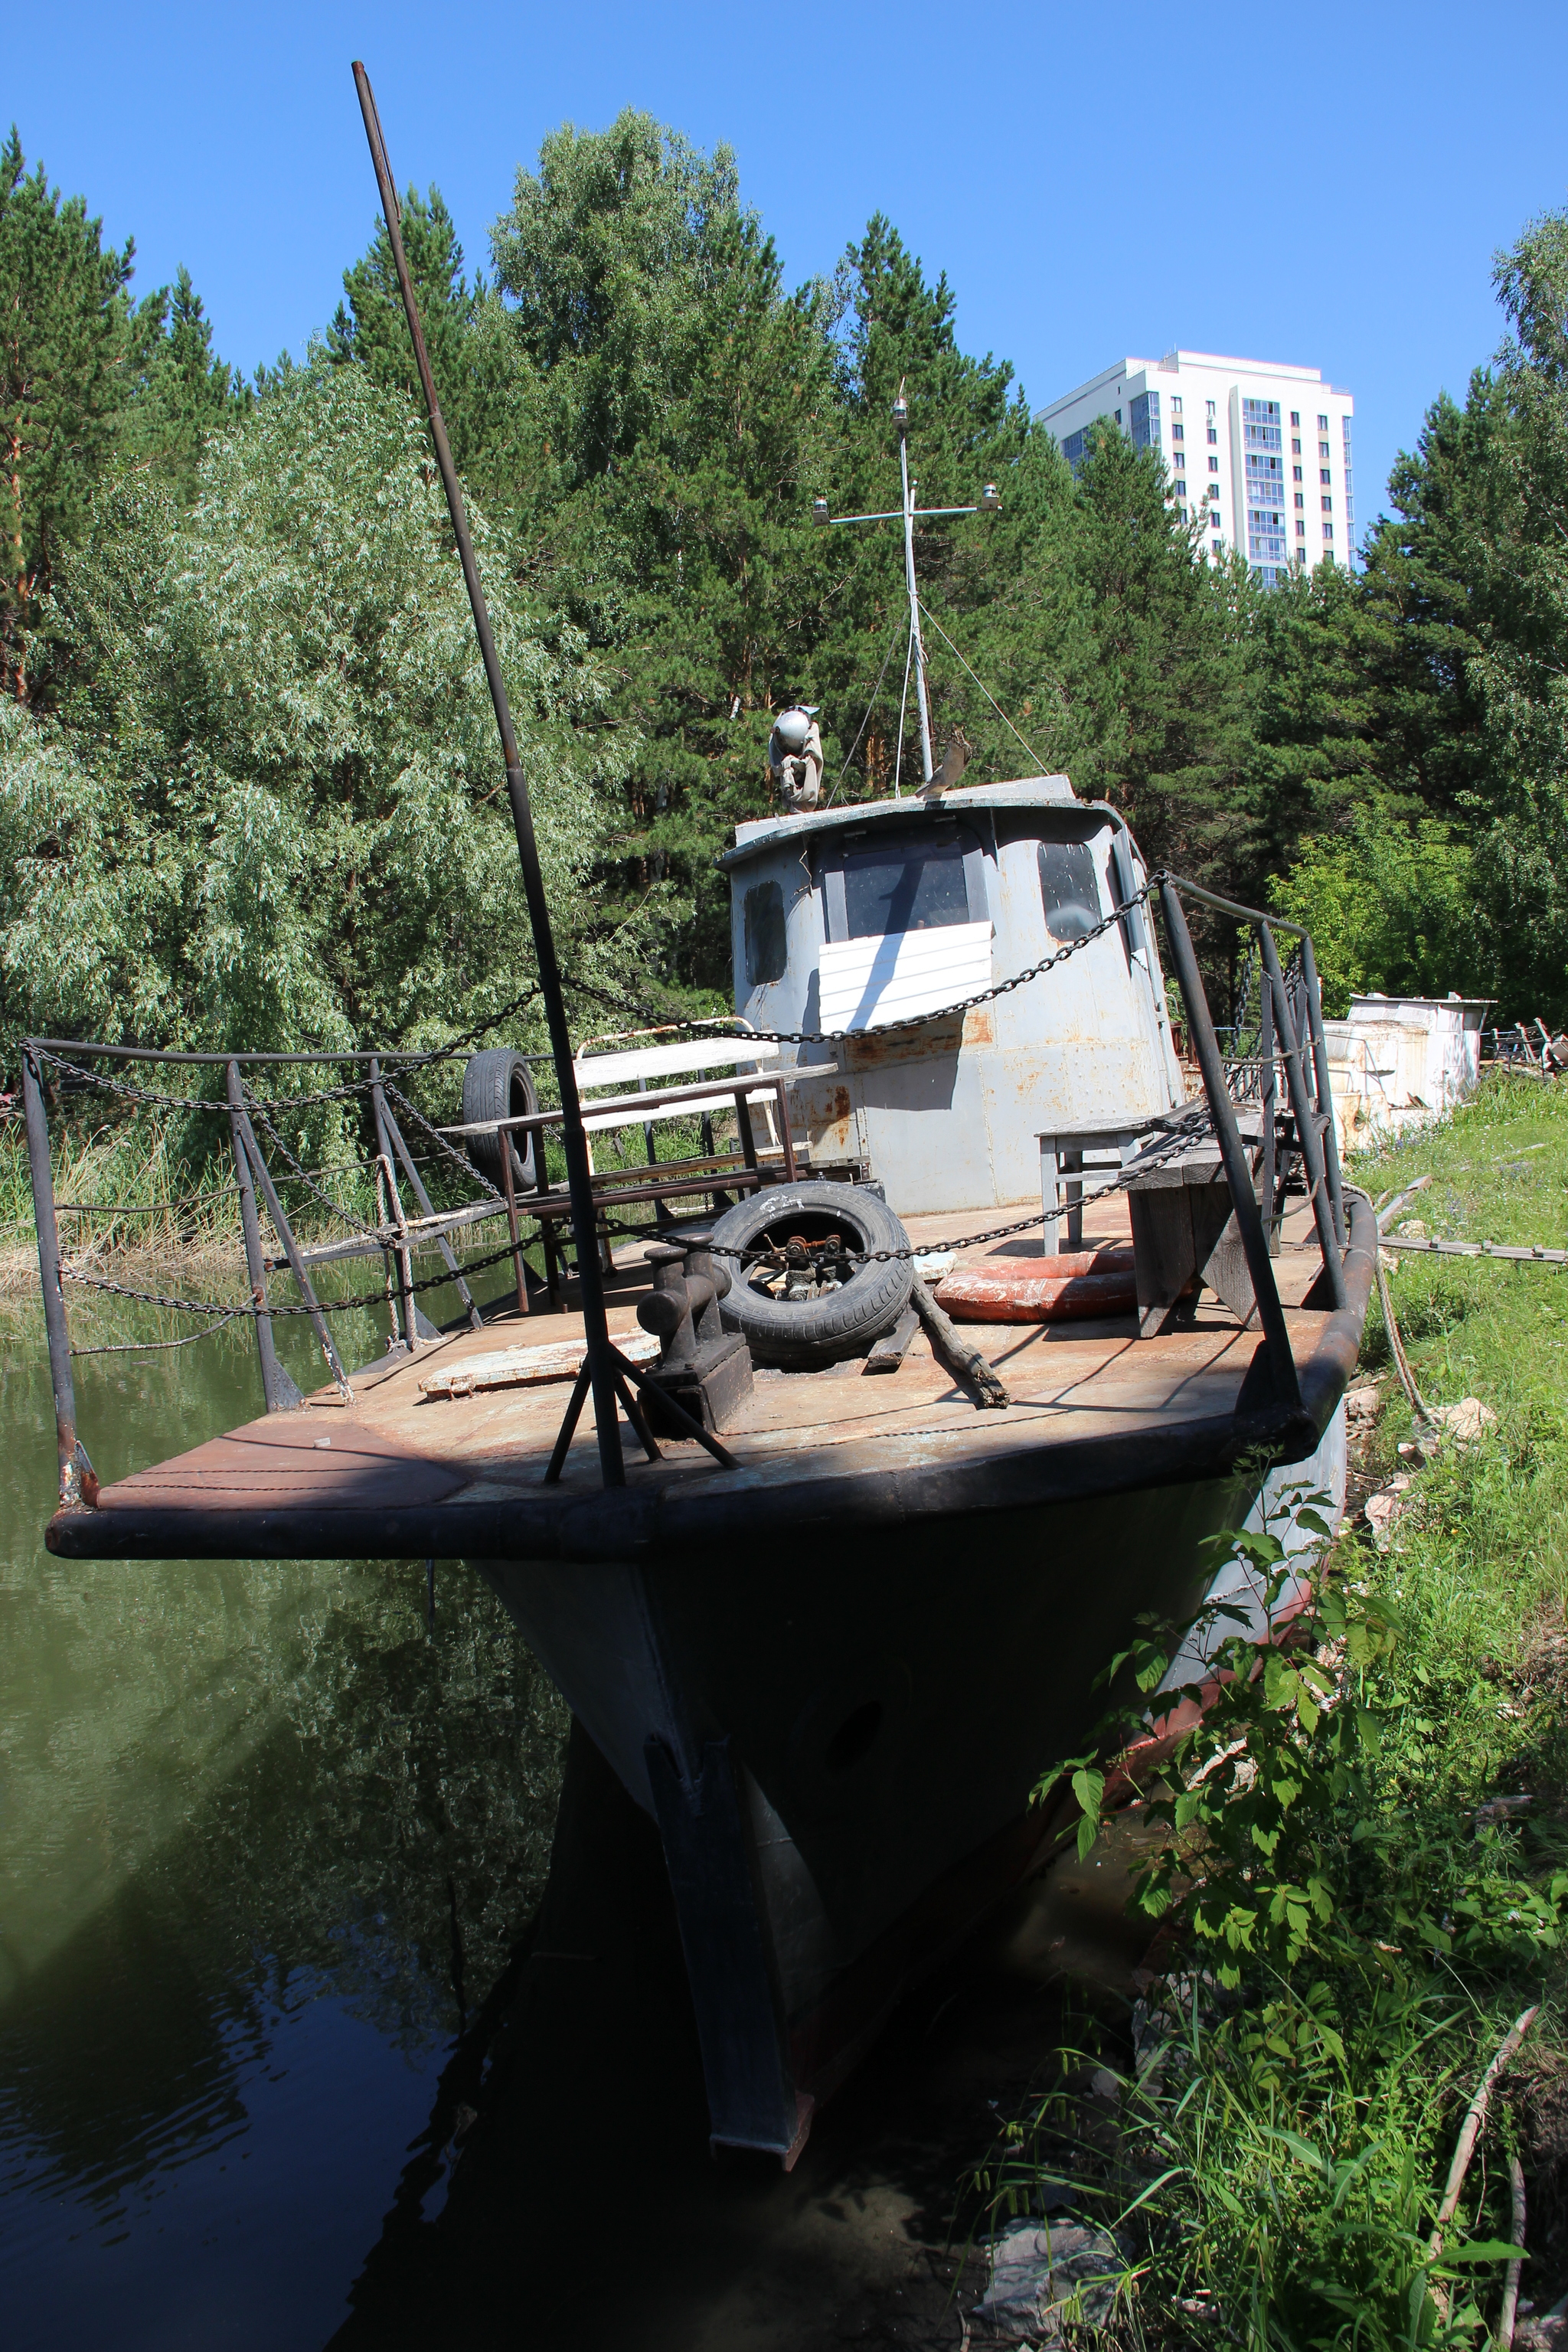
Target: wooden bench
x,y
599,1063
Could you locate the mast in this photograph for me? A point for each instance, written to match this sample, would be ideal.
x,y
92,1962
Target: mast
x,y
917,643
909,514
579,1180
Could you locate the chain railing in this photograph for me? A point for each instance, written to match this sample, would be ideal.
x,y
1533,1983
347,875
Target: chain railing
x,y
1277,1043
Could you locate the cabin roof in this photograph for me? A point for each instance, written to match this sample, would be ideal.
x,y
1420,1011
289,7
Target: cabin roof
x,y
766,833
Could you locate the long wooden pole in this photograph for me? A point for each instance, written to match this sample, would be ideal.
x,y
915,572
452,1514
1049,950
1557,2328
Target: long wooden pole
x,y
579,1178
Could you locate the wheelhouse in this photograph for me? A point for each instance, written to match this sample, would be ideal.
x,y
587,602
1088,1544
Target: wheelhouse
x,y
854,920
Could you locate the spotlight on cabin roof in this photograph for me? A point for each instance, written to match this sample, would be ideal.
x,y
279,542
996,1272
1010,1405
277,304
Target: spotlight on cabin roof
x,y
990,498
819,510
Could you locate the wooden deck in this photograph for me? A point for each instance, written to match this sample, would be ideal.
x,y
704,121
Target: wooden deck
x,y
402,1472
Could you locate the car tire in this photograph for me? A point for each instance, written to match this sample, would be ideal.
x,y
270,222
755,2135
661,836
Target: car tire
x,y
497,1084
804,1334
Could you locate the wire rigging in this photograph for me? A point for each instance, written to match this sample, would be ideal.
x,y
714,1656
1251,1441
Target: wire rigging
x,y
980,682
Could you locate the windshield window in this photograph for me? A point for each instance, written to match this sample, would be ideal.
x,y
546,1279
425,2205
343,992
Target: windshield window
x,y
918,888
1069,891
765,942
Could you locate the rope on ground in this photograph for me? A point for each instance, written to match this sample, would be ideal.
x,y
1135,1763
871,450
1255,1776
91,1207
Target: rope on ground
x,y
1413,1398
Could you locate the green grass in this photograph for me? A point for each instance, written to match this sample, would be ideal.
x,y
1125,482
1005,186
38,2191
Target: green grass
x,y
1276,2169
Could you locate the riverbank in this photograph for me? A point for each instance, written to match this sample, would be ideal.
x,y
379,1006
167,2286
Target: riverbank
x,y
1286,2100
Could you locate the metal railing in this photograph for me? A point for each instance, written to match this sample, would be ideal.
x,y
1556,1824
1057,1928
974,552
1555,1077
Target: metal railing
x,y
1289,1046
395,1235
1311,1107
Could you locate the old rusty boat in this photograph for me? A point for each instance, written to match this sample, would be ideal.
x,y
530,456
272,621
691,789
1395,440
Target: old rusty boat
x,y
826,1575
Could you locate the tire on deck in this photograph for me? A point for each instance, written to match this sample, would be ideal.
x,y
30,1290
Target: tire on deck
x,y
804,1334
497,1084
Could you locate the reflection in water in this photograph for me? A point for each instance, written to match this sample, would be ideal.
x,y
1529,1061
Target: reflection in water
x,y
262,1842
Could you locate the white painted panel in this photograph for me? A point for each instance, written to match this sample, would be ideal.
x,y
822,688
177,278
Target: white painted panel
x,y
692,1106
696,1054
867,983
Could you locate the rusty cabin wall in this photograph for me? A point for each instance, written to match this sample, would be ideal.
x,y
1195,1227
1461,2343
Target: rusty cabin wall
x,y
947,1116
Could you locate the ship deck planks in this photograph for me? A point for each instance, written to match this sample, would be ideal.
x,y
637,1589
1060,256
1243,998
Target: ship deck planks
x,y
416,1461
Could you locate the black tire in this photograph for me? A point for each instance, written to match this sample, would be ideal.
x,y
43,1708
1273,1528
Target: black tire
x,y
802,1335
496,1085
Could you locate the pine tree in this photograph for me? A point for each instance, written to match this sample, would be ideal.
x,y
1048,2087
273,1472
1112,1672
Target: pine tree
x,y
72,350
489,397
186,392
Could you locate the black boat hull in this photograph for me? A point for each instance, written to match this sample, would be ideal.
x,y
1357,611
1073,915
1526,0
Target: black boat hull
x,y
839,1739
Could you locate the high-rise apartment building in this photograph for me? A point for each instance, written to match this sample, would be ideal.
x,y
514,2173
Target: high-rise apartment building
x,y
1262,453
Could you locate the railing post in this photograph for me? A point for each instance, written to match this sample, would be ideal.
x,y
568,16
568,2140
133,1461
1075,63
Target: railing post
x,y
277,1387
78,1486
1307,1135
509,1187
476,1320
1244,1200
1325,1089
297,1267
1268,1097
405,1264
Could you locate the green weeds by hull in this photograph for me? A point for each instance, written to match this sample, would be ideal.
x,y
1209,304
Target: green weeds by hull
x,y
1288,2114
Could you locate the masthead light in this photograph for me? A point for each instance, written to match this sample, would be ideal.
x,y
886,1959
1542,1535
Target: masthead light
x,y
990,498
819,510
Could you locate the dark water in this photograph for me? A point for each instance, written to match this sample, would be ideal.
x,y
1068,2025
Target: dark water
x,y
265,1842
268,1851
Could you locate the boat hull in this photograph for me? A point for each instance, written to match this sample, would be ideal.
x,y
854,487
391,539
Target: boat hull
x,y
839,1738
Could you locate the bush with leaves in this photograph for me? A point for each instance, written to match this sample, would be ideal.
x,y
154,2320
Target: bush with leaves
x,y
270,813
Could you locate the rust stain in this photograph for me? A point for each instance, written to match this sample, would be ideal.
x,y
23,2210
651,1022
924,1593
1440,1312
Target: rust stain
x,y
978,1027
829,1127
934,1040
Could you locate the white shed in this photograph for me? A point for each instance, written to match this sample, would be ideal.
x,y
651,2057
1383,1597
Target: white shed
x,y
1400,1059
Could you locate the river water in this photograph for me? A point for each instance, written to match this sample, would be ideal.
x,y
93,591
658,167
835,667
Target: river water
x,y
266,1838
270,1844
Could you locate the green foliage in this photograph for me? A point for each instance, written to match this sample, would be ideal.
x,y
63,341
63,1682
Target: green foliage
x,y
270,811
187,393
1259,1795
72,347
489,392
645,412
1346,1933
612,254
1390,902
1460,636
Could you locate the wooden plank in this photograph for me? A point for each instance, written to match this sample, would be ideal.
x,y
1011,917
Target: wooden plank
x,y
515,1367
887,1353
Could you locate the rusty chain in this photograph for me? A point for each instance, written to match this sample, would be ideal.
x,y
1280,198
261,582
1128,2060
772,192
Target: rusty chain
x,y
1192,1129
225,1309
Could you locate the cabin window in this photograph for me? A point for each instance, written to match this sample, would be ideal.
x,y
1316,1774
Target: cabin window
x,y
1070,889
905,885
765,921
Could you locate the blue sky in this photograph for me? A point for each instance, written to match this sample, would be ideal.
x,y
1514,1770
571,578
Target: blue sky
x,y
1312,183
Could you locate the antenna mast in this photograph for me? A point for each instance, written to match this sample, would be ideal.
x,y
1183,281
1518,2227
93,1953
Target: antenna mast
x,y
907,514
917,643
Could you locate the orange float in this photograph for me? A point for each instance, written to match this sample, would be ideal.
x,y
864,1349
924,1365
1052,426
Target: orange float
x,y
1040,1289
